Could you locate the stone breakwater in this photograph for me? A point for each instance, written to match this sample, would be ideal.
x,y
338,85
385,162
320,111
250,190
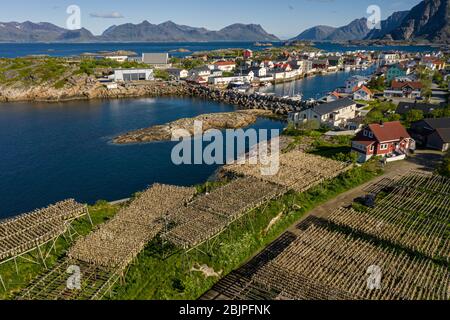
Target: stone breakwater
x,y
275,104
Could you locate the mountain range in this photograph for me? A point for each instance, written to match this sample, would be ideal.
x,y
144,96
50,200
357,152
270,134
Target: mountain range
x,y
142,32
429,20
355,30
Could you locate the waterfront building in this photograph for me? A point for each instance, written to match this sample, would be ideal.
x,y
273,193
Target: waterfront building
x,y
226,66
224,81
156,60
204,72
335,114
127,75
178,73
333,96
355,82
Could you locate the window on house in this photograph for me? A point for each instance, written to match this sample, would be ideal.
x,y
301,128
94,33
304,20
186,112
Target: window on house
x,y
384,147
371,148
365,133
370,134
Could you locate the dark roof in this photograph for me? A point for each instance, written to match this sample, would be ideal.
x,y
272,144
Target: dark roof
x,y
427,108
438,123
444,134
330,107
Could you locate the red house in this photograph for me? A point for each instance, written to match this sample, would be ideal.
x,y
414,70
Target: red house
x,y
248,54
389,139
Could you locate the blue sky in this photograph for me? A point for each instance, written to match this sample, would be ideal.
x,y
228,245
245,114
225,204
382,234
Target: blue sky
x,y
285,18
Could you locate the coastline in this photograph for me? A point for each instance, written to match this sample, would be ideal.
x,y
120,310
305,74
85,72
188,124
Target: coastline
x,y
91,91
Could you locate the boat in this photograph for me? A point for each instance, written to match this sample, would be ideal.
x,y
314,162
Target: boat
x,y
239,86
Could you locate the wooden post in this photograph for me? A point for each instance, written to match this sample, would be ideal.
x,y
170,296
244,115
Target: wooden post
x,y
89,216
3,284
15,263
42,257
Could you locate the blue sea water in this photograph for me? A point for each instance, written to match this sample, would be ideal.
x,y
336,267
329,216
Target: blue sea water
x,y
50,152
11,50
315,87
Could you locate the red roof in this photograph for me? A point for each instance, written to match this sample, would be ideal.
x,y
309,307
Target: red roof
x,y
336,94
389,131
363,88
225,63
401,85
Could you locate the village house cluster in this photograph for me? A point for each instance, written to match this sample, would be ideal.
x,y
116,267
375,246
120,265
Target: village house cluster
x,y
397,78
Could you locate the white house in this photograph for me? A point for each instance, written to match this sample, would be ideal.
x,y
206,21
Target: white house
x,y
203,72
355,82
362,93
126,75
221,81
117,58
334,114
178,73
226,66
259,72
389,58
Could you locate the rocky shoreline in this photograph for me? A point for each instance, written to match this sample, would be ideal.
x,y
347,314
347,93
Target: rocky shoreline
x,y
88,88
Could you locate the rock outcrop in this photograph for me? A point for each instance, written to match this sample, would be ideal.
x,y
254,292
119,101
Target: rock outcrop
x,y
186,127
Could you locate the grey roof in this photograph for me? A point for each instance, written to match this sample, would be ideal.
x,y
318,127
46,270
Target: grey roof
x,y
155,58
330,107
427,108
200,69
444,133
438,123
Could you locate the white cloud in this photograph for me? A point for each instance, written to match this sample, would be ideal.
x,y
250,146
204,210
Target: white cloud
x,y
109,15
